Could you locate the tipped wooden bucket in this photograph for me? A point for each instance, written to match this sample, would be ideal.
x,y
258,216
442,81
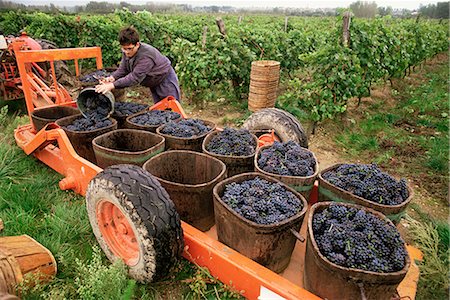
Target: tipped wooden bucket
x,y
264,78
20,256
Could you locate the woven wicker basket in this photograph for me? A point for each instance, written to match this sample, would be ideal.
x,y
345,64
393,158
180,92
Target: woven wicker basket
x,y
264,78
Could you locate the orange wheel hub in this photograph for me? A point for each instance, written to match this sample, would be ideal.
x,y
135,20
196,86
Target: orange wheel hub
x,y
117,232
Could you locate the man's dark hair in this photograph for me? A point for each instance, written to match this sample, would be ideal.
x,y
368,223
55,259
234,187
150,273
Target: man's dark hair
x,y
128,36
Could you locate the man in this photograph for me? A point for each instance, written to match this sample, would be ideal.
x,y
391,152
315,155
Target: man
x,y
142,64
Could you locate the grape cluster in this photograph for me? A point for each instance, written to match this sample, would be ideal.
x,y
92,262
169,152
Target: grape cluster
x,y
368,182
288,159
97,106
185,128
155,117
232,142
94,76
261,201
86,124
124,109
353,238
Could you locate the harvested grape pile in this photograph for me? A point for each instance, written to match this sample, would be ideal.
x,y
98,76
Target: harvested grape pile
x,y
354,238
368,182
155,117
96,106
185,128
124,109
94,76
96,110
232,142
288,159
261,201
85,124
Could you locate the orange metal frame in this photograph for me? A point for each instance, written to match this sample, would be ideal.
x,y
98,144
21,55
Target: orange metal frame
x,y
226,264
37,93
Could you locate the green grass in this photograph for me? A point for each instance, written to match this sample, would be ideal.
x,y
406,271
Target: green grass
x,y
437,155
432,238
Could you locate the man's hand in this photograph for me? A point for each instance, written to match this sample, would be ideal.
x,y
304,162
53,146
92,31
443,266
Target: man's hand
x,y
107,79
104,88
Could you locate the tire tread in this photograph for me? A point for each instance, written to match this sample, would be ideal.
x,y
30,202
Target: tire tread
x,y
289,128
155,209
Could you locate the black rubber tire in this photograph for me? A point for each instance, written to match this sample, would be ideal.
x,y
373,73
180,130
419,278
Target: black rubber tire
x,y
285,125
149,210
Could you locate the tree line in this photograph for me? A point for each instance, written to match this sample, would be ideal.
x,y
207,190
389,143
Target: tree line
x,y
361,9
366,9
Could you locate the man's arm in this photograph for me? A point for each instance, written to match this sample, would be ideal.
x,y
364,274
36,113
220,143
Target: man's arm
x,y
141,69
121,71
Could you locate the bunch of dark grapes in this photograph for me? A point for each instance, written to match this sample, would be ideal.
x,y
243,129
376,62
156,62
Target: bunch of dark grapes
x,y
185,128
288,159
353,238
97,106
232,142
124,109
368,182
155,117
95,76
261,201
86,124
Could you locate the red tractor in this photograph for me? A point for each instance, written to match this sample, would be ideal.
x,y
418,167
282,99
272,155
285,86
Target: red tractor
x,y
10,81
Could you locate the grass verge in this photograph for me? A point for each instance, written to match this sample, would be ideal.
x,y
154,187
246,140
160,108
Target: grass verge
x,y
432,238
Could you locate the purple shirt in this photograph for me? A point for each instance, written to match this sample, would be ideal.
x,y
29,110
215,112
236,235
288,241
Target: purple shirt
x,y
147,67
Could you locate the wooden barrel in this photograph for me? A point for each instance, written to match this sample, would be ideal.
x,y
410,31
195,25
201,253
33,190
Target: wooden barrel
x,y
270,245
82,140
193,143
20,256
328,280
302,184
189,178
264,78
235,164
330,192
45,115
126,146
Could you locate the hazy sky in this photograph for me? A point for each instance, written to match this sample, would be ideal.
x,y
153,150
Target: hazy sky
x,y
411,4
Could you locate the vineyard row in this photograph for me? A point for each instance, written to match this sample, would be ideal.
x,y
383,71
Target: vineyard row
x,y
319,71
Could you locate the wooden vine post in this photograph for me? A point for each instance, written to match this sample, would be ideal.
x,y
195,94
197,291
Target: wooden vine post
x,y
346,28
205,31
221,24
